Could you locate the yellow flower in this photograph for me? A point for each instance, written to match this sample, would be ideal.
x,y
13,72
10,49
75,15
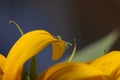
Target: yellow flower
x,y
109,64
26,47
72,71
106,67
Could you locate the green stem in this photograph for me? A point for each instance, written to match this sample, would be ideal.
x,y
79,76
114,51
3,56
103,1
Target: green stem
x,y
21,31
73,53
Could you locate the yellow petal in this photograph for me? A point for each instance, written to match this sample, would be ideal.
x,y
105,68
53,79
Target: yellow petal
x,y
58,48
2,61
72,71
2,64
117,76
109,64
27,46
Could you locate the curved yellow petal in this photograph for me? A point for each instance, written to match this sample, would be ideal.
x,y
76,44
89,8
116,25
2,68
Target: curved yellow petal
x,y
2,61
2,64
72,71
117,76
58,48
109,64
27,46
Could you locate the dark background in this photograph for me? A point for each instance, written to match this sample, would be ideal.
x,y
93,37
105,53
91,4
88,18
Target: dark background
x,y
84,20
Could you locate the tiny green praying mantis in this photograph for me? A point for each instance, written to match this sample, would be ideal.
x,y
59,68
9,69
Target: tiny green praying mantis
x,y
67,46
66,43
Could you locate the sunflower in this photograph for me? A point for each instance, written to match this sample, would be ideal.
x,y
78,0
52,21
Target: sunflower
x,y
106,67
26,47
